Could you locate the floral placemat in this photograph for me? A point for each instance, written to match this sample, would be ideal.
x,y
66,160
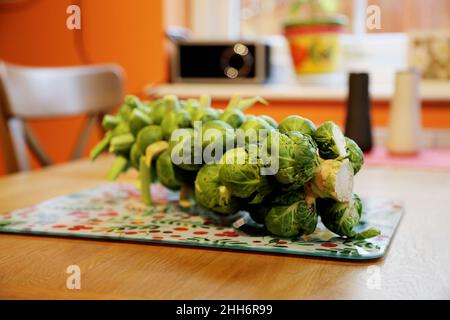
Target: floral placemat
x,y
115,212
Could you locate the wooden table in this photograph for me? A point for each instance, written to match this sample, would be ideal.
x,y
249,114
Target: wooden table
x,y
417,264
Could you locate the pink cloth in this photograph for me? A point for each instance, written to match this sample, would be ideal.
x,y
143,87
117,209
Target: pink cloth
x,y
426,158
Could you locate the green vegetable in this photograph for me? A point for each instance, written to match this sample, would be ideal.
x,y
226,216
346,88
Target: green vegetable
x,y
134,102
121,128
138,120
101,146
297,123
182,148
234,117
109,122
119,165
343,217
135,155
147,136
165,171
191,106
240,175
204,115
158,111
269,120
145,168
211,193
297,156
254,129
217,137
121,143
124,112
355,155
244,104
283,175
334,179
331,141
175,120
292,214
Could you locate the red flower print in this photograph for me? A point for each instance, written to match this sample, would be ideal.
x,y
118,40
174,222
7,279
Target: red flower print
x,y
328,245
181,229
175,236
200,232
78,228
282,242
131,232
227,234
59,226
108,214
157,238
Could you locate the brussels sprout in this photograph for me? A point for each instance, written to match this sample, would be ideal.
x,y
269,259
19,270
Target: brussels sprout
x,y
297,123
342,217
109,122
204,115
211,193
333,179
166,172
251,129
271,121
175,120
217,137
355,155
297,157
147,136
185,141
241,176
121,128
138,120
158,111
134,102
233,117
191,106
291,214
124,112
121,143
331,141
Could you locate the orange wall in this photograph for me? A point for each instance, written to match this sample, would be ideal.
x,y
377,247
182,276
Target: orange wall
x,y
130,33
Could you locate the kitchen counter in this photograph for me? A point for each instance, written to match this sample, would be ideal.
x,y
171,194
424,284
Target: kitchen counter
x,y
429,91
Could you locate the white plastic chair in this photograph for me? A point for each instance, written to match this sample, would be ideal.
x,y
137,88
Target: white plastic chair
x,y
32,92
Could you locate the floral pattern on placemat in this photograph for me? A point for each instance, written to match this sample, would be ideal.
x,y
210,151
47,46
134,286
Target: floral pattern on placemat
x,y
115,211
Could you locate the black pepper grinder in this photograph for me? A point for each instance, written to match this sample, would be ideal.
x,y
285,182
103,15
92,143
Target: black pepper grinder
x,y
358,124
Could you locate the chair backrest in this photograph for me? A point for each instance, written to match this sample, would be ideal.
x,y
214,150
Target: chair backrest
x,y
33,92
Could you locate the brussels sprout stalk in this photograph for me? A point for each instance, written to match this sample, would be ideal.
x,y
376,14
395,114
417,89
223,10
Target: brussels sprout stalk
x,y
244,104
121,143
234,102
184,201
333,179
109,122
101,146
119,165
145,163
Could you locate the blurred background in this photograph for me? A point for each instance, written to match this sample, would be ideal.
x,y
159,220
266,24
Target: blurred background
x,y
297,54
